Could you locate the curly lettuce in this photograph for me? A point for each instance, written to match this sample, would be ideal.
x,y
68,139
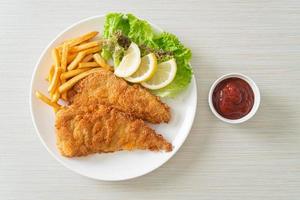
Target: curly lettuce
x,y
164,45
115,22
169,42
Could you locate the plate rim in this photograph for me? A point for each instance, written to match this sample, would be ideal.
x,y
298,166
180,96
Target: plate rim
x,y
31,95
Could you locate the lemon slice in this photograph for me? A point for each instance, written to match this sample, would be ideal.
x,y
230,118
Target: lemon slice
x,y
163,76
146,69
130,62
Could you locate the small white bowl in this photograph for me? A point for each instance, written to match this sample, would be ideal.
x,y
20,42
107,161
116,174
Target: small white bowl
x,y
256,98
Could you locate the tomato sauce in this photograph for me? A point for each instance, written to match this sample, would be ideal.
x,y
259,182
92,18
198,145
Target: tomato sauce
x,y
233,98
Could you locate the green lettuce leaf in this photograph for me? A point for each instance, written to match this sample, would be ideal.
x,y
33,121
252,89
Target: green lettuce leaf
x,y
118,55
140,31
114,22
183,55
164,45
106,53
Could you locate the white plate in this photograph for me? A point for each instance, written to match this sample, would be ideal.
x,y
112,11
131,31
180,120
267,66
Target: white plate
x,y
111,166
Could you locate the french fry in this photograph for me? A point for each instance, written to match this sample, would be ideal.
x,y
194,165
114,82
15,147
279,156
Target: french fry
x,y
56,109
55,96
64,96
67,56
87,58
64,61
77,41
76,61
84,46
50,74
93,50
71,57
69,84
101,62
80,39
66,41
59,49
81,55
55,79
46,100
88,64
70,74
56,57
64,57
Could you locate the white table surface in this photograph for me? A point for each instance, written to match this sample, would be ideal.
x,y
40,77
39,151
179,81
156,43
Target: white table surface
x,y
256,160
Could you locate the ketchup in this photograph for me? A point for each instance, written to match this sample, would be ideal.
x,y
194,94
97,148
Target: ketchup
x,y
233,98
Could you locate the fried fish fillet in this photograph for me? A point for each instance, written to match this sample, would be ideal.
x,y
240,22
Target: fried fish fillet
x,y
98,128
105,88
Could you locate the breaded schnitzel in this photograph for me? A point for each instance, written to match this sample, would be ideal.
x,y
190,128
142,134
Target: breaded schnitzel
x,y
95,128
105,88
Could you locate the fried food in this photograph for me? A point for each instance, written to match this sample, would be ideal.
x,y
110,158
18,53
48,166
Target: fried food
x,y
85,46
88,65
64,57
55,79
101,62
71,57
55,96
50,74
64,62
88,58
69,84
81,55
105,113
97,128
105,88
76,61
46,100
56,58
72,73
82,38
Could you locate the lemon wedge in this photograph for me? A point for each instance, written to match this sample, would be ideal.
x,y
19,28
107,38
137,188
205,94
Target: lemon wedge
x,y
163,76
146,69
130,62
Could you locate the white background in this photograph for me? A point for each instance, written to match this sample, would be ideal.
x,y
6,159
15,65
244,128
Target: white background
x,y
256,160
